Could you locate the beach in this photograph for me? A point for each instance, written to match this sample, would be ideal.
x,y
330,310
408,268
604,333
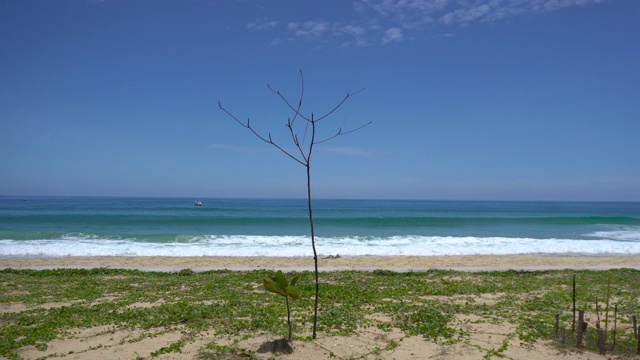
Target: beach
x,y
176,307
396,263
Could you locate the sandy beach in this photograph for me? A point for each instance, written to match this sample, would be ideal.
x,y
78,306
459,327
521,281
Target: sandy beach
x,y
398,263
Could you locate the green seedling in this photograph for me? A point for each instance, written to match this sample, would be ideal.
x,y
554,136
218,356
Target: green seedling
x,y
278,284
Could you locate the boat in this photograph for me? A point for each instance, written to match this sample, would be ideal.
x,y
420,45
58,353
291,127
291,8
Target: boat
x,y
198,203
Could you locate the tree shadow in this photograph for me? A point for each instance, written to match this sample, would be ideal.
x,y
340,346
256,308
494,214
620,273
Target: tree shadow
x,y
279,346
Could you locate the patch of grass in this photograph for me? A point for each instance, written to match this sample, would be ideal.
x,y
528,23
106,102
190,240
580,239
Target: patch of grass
x,y
56,302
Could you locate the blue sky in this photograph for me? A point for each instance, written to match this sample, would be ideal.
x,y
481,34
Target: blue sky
x,y
498,100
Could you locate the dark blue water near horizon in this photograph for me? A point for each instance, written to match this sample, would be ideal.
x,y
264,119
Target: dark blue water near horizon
x,y
121,226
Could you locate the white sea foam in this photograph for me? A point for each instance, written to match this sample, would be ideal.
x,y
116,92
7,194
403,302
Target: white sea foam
x,y
88,245
620,234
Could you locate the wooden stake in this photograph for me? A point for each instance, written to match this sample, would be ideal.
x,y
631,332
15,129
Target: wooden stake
x,y
615,326
597,315
606,309
573,325
580,328
637,337
557,325
601,343
635,326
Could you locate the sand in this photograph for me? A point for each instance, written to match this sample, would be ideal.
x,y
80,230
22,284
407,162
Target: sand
x,y
105,343
398,263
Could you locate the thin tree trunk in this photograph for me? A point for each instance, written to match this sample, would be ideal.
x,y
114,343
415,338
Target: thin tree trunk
x,y
303,158
315,254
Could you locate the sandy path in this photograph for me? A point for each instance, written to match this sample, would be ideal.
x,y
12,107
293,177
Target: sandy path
x,y
400,263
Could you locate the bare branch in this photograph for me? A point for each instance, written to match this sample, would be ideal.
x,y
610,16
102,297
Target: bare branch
x,y
294,137
356,129
330,137
268,141
301,96
292,132
233,116
306,127
297,113
294,109
340,132
339,104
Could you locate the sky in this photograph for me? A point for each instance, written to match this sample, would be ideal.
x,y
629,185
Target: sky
x,y
467,99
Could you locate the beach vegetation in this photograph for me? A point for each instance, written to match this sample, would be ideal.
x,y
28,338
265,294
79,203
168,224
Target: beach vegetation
x,y
303,131
224,352
226,310
278,284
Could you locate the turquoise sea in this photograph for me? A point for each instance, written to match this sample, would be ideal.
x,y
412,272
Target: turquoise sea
x,y
110,226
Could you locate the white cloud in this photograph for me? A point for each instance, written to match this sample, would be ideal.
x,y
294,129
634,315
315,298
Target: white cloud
x,y
466,15
357,35
392,34
395,20
551,5
312,28
492,10
276,42
262,24
416,13
352,30
402,7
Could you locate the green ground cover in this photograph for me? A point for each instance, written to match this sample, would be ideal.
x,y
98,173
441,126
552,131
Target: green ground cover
x,y
38,306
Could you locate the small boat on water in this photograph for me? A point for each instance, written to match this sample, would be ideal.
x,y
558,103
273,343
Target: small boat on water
x,y
198,203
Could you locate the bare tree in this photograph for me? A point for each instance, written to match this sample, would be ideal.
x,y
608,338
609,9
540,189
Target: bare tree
x,y
304,151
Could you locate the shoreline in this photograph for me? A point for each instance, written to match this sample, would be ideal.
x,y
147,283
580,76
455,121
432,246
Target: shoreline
x,y
365,263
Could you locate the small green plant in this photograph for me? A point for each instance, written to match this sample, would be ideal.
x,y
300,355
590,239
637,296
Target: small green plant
x,y
278,284
392,345
223,352
174,347
499,352
186,272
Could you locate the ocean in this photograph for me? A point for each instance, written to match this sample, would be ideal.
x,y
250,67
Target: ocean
x,y
113,226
